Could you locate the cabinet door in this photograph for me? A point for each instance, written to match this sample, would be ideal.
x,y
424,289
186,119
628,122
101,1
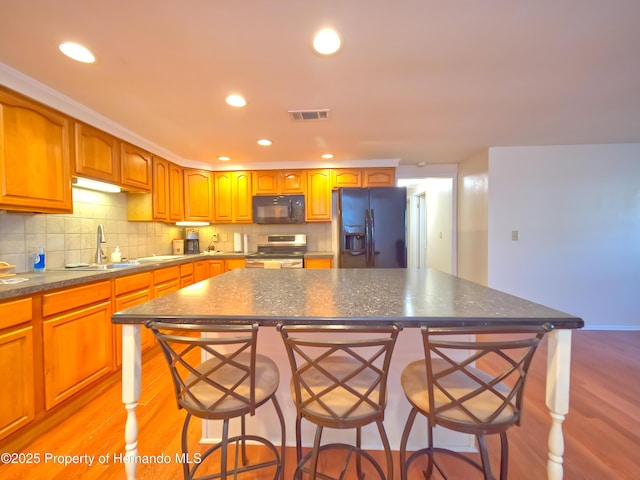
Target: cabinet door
x,y
232,263
78,349
176,201
241,197
292,181
318,263
198,195
35,157
222,202
265,182
17,401
97,154
135,167
200,271
379,177
215,267
346,177
160,190
318,199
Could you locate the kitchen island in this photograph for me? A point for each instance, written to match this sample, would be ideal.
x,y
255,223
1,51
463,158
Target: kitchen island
x,y
351,296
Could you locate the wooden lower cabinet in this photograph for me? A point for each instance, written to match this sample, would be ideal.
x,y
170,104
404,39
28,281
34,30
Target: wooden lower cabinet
x,y
77,338
17,400
186,274
318,263
166,280
233,263
128,292
203,269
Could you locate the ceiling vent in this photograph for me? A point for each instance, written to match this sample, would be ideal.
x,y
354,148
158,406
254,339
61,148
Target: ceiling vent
x,y
303,115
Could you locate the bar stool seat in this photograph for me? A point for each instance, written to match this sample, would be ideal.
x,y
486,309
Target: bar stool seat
x,y
218,375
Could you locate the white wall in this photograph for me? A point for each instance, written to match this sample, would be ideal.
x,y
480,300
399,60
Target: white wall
x,y
473,192
577,211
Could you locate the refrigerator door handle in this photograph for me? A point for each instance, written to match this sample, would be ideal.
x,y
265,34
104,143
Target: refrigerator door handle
x,y
367,237
372,262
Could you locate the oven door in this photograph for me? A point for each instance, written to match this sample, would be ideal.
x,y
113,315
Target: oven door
x,y
274,263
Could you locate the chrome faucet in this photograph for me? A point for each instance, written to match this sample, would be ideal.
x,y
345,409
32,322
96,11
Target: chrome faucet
x,y
100,256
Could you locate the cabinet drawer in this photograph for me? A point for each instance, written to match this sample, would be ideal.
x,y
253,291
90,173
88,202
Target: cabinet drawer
x,y
186,269
166,274
70,298
139,281
15,312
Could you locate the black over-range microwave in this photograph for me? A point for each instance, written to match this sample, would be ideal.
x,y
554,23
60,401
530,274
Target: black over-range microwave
x,y
278,209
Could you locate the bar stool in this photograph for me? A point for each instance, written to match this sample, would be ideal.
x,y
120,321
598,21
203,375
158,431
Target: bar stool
x,y
218,375
339,380
448,388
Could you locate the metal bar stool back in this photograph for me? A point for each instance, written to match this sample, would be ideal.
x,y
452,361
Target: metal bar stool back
x,y
218,375
339,380
471,386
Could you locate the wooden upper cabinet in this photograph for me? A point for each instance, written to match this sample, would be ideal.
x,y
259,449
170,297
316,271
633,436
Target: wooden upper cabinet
x,y
346,177
136,169
318,198
379,177
160,191
265,182
165,202
176,196
293,181
198,195
36,154
97,154
232,197
278,182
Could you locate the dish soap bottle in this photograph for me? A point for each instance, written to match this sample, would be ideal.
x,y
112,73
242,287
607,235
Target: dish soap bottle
x,y
116,256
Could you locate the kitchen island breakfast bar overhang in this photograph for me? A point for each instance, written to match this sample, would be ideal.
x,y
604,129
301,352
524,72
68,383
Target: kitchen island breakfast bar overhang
x,y
350,296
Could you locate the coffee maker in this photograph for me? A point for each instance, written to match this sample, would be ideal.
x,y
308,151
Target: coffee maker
x,y
192,241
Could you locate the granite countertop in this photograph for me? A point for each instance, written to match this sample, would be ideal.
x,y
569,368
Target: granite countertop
x,y
335,296
58,278
318,255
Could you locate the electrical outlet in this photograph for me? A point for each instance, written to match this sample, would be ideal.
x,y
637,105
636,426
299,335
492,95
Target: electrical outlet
x,y
515,235
214,237
225,237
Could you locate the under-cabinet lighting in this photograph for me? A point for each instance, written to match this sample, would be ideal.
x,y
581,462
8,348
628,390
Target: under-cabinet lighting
x,y
192,224
95,185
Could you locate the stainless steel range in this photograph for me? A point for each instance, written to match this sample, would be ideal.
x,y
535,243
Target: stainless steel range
x,y
279,251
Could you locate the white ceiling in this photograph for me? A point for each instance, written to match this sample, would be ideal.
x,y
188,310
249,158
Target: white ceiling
x,y
417,81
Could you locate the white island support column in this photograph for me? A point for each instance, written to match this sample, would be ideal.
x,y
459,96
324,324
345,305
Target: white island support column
x,y
558,374
131,379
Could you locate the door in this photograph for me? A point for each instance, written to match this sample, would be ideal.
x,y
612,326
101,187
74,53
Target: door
x,y
388,226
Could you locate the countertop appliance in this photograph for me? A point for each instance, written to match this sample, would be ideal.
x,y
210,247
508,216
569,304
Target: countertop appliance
x,y
279,251
268,209
372,227
191,246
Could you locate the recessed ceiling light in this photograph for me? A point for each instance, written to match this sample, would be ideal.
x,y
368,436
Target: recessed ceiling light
x,y
223,158
264,142
236,100
77,52
327,42
327,156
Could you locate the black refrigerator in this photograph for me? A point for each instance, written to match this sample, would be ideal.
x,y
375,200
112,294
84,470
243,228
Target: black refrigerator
x,y
372,227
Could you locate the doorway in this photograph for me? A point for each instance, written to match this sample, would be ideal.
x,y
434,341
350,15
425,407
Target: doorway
x,y
431,227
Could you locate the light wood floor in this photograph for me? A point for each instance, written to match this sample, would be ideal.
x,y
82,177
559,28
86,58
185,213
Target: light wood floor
x,y
602,430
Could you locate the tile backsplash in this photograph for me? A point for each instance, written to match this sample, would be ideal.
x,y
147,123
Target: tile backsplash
x,y
72,238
